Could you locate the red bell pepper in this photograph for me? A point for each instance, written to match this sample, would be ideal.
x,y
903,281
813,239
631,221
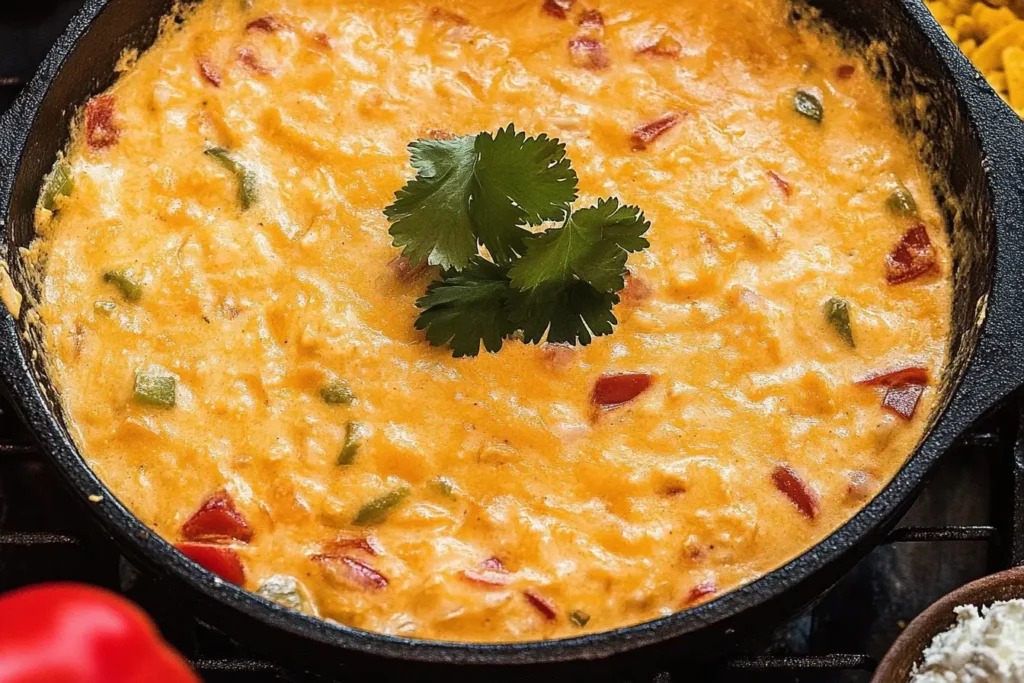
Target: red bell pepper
x,y
793,487
222,561
74,633
912,257
614,390
217,520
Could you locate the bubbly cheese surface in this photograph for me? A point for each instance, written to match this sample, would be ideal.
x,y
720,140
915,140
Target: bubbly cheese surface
x,y
525,506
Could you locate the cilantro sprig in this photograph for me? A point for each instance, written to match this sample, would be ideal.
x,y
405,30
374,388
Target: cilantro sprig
x,y
487,190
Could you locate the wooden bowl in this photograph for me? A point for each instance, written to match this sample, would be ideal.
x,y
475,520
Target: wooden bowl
x,y
906,651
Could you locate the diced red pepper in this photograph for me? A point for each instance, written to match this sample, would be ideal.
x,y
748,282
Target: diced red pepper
x,y
589,53
791,486
902,400
845,71
217,520
338,547
667,46
912,374
493,564
559,9
101,130
221,560
636,289
438,134
542,604
248,57
323,40
701,590
591,19
352,570
443,15
490,572
403,269
647,133
614,390
912,257
781,183
904,387
209,71
266,24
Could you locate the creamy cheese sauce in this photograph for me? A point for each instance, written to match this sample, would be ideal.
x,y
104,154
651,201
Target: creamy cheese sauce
x,y
759,216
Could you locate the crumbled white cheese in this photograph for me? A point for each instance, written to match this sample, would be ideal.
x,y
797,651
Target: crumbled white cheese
x,y
979,648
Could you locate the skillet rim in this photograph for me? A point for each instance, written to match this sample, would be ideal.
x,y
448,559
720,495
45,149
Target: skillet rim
x,y
984,381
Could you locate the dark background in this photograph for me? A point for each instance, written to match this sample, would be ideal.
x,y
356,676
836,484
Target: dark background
x,y
27,29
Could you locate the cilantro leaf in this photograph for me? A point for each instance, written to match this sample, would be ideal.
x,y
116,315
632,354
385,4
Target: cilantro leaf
x,y
480,188
465,308
591,246
430,215
560,285
518,181
570,312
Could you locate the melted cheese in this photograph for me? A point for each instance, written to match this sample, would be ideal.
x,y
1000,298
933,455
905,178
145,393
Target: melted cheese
x,y
627,514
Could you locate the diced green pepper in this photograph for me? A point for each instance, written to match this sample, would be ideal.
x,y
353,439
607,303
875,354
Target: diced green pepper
x,y
377,510
444,486
837,313
901,202
248,184
807,104
155,388
284,590
130,288
104,307
337,393
58,184
579,618
351,447
247,4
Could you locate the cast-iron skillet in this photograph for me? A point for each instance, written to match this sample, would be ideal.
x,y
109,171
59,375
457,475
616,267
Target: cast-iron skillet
x,y
968,138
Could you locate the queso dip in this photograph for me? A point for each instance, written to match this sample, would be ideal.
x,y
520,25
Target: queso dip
x,y
244,373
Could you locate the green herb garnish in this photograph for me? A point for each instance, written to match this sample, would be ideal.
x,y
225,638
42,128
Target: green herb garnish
x,y
465,308
559,284
444,486
337,393
58,184
837,314
124,280
248,184
807,104
901,202
377,510
579,618
352,441
571,274
155,388
479,188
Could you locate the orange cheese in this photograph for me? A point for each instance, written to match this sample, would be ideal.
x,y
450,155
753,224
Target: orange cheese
x,y
759,216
